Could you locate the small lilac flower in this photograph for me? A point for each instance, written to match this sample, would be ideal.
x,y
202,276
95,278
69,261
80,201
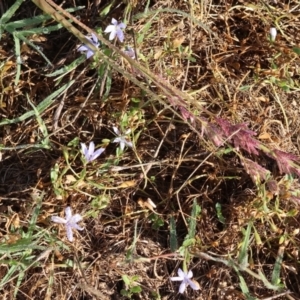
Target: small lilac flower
x,y
89,153
129,52
70,222
273,33
115,30
186,281
86,49
121,139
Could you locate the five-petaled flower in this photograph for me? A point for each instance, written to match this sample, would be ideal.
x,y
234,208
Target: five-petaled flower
x,y
86,49
186,281
89,153
70,222
122,138
115,30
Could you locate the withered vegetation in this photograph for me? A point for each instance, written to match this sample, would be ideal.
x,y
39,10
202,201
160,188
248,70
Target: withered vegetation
x,y
229,149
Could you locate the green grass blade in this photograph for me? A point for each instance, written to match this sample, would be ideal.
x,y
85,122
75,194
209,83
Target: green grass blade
x,y
219,213
275,279
196,210
41,123
173,235
244,286
9,274
18,56
10,12
38,200
18,283
67,69
267,283
243,256
34,21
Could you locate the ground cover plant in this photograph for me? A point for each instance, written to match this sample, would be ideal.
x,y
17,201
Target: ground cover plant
x,y
149,149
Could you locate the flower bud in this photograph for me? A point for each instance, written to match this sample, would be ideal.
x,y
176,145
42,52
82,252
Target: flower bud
x,y
273,33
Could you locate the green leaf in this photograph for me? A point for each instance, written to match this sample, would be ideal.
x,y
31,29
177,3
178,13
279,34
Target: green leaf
x,y
296,50
135,277
126,280
219,213
135,289
244,287
106,9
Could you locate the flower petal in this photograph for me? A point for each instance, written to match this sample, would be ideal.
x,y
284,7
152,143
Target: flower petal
x,y
128,144
89,54
68,213
117,140
75,218
189,274
181,273
122,25
59,220
122,144
112,35
83,48
91,149
194,285
116,130
175,278
84,149
110,28
114,21
120,35
94,39
76,226
69,233
182,287
97,153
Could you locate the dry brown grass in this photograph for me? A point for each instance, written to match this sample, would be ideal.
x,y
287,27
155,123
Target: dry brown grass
x,y
219,54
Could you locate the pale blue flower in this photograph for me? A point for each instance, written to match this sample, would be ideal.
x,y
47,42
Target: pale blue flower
x,y
70,222
89,153
121,139
86,49
186,281
115,30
